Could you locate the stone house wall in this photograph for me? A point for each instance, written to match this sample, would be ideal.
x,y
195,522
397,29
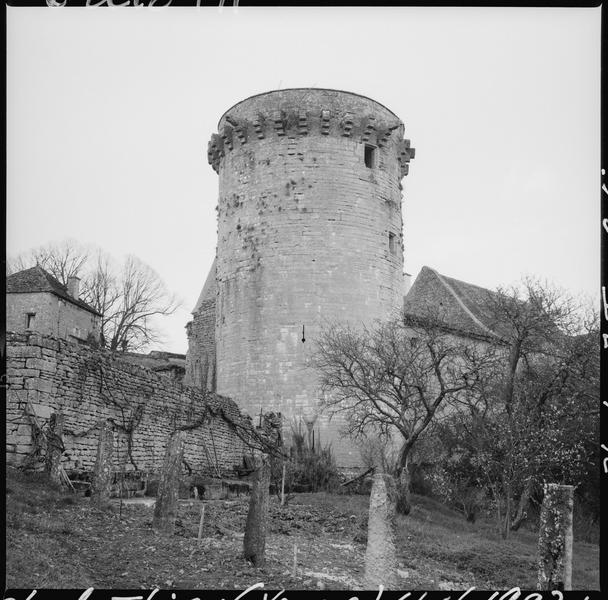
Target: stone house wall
x,y
54,316
45,375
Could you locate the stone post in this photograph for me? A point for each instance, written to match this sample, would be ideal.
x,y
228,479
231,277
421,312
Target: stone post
x,y
165,508
555,538
380,555
102,472
54,448
254,542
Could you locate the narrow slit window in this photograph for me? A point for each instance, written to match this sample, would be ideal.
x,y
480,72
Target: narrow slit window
x,y
370,156
392,243
29,320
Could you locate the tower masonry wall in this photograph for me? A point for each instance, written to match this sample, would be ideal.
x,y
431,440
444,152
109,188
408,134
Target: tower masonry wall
x,y
309,233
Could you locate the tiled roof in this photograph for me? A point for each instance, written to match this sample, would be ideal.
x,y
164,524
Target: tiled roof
x,y
37,279
209,289
461,304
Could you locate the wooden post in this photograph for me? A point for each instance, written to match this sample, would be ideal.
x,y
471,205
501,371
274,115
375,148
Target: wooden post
x,y
295,561
200,524
54,448
283,486
102,473
254,542
380,555
555,538
165,508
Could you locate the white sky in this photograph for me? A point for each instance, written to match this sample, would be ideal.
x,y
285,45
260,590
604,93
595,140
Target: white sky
x,y
110,110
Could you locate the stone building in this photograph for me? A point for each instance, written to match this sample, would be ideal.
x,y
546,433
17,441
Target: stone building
x,y
310,231
36,301
200,359
462,306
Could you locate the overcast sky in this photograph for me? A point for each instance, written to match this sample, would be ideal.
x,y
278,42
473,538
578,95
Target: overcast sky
x,y
110,112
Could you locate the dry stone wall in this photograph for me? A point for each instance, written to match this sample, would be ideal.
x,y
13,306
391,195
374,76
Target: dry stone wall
x,y
46,375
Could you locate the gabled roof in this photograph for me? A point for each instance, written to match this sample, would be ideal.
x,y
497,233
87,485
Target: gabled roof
x,y
461,304
209,289
37,279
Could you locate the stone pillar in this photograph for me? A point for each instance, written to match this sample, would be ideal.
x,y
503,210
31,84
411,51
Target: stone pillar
x,y
54,448
102,473
555,538
165,508
380,555
254,542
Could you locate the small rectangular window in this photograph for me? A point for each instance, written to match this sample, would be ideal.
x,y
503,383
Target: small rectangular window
x,y
392,243
370,156
29,320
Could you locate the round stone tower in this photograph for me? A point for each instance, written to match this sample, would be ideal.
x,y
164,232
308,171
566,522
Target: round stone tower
x,y
309,233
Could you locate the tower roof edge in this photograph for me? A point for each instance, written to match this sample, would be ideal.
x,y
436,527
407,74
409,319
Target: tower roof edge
x,y
304,89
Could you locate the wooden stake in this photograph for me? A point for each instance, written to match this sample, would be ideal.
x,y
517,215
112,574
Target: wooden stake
x,y
283,486
295,560
200,525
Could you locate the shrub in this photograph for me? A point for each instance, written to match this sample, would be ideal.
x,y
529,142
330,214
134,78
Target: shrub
x,y
308,469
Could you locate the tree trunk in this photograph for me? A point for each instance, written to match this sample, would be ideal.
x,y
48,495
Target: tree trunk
x,y
102,473
404,505
522,507
165,508
254,542
380,555
498,513
54,448
514,357
555,538
506,524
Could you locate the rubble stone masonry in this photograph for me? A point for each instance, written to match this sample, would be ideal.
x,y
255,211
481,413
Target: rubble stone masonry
x,y
200,360
53,316
86,384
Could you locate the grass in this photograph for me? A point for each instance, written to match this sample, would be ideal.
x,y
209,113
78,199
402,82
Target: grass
x,y
58,540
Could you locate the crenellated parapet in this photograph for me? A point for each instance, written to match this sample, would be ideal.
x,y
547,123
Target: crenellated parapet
x,y
297,122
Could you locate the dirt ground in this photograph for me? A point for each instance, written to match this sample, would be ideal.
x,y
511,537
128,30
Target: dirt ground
x,y
58,540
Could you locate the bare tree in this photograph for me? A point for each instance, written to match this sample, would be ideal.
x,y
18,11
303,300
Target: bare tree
x,y
61,259
394,377
102,292
254,540
537,412
129,297
132,300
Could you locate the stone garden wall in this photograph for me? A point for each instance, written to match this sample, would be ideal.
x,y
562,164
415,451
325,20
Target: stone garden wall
x,y
87,384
